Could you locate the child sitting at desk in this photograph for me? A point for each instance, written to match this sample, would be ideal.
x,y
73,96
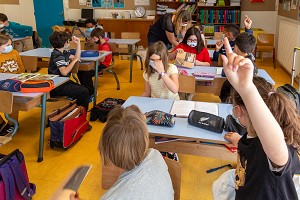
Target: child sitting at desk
x,y
267,153
10,62
244,46
230,31
124,143
193,43
60,64
86,77
161,78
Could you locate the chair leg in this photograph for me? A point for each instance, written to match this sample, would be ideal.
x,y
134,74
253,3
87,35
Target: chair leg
x,y
140,60
274,58
115,75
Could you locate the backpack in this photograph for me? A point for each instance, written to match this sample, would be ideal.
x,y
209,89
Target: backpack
x,y
101,110
292,93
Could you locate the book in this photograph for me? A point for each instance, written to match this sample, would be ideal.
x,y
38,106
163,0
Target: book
x,y
183,108
33,76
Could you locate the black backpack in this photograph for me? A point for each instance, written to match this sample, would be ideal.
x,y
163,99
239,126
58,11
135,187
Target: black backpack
x,y
101,110
292,93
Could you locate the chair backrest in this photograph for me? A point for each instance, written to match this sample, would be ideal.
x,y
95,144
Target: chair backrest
x,y
111,174
218,35
265,39
6,104
113,46
30,63
130,35
186,84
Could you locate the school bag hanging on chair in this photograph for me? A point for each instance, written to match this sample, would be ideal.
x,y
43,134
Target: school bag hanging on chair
x,y
14,182
292,93
67,125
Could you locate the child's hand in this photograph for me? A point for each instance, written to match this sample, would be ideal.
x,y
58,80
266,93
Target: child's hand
x,y
238,70
247,22
76,40
219,45
179,50
159,66
71,57
233,137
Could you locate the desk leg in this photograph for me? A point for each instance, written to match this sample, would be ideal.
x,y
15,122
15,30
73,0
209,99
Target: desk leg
x,y
96,83
131,60
42,127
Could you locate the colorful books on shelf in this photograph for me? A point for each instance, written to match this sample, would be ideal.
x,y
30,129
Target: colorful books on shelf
x,y
219,16
220,3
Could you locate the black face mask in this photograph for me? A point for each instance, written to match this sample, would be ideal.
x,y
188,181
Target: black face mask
x,y
98,42
232,126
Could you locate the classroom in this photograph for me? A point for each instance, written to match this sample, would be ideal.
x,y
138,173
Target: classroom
x,y
149,99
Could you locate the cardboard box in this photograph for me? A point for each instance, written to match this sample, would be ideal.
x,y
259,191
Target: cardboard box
x,y
185,59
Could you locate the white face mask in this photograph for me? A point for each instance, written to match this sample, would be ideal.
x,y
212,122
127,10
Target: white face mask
x,y
237,118
184,24
7,49
192,44
66,46
152,64
1,25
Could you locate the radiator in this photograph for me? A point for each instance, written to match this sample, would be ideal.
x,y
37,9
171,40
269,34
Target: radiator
x,y
288,38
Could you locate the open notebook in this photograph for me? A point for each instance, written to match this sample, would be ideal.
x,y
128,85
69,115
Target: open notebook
x,y
183,108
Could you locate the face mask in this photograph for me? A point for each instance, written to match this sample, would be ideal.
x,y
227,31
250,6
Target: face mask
x,y
67,46
8,49
237,119
90,29
152,64
184,24
1,25
192,44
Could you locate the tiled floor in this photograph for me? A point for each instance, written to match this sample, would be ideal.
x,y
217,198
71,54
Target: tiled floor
x,y
58,163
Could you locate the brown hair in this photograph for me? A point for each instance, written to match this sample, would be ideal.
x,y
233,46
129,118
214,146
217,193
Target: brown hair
x,y
4,39
233,28
98,32
124,141
246,42
180,17
284,111
160,49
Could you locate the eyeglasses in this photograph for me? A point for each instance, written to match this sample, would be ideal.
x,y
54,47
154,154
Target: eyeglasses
x,y
190,40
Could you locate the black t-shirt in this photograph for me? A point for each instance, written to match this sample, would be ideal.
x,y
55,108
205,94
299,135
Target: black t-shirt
x,y
57,60
254,178
157,31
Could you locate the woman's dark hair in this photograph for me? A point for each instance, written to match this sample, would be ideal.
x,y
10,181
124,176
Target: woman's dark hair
x,y
90,20
194,31
58,39
284,111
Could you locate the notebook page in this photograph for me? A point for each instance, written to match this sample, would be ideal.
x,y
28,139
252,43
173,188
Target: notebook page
x,y
182,108
211,108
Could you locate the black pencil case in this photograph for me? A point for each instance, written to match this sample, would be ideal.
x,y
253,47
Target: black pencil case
x,y
206,121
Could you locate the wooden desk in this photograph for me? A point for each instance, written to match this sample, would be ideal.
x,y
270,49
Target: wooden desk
x,y
46,53
140,25
27,101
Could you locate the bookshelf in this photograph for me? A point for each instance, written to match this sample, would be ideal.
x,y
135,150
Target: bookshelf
x,y
213,14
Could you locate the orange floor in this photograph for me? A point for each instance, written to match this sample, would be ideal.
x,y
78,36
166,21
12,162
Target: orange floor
x,y
57,164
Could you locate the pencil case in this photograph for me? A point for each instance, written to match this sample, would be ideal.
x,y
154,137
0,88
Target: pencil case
x,y
37,86
206,121
159,118
10,85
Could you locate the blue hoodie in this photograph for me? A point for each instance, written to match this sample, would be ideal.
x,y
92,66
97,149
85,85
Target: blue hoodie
x,y
17,30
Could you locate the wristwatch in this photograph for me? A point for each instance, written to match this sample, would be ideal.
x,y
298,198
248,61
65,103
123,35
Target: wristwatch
x,y
162,74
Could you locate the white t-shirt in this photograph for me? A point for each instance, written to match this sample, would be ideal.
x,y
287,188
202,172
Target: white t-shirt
x,y
158,87
149,180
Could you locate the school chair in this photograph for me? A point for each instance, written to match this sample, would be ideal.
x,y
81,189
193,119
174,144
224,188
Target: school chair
x,y
6,107
123,49
218,35
187,85
111,174
265,43
30,63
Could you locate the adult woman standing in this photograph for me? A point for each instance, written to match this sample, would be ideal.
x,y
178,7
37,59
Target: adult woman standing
x,y
168,27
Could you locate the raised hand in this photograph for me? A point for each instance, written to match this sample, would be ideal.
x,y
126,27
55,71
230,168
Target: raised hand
x,y
247,22
238,70
76,40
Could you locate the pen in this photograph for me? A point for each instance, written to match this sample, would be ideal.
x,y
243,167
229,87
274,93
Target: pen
x,y
180,116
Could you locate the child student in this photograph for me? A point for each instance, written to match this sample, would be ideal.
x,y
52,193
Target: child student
x,y
61,63
124,143
267,153
161,78
10,62
193,43
244,46
230,31
86,77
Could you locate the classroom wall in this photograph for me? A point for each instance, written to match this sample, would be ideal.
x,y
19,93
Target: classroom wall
x,y
23,13
266,20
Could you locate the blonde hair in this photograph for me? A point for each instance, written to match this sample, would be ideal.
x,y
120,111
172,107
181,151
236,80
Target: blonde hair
x,y
124,141
180,17
160,49
4,39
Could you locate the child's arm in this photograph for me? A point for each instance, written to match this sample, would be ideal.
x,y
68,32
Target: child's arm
x,y
76,40
171,37
171,82
147,91
239,71
65,70
206,59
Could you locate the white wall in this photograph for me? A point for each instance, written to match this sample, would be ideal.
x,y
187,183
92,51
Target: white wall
x,y
23,13
266,20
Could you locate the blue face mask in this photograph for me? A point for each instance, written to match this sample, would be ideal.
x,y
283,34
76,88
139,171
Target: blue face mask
x,y
8,49
90,29
192,44
236,118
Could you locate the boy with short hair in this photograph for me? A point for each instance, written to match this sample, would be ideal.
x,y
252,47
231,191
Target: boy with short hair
x,y
85,77
16,30
230,31
60,64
